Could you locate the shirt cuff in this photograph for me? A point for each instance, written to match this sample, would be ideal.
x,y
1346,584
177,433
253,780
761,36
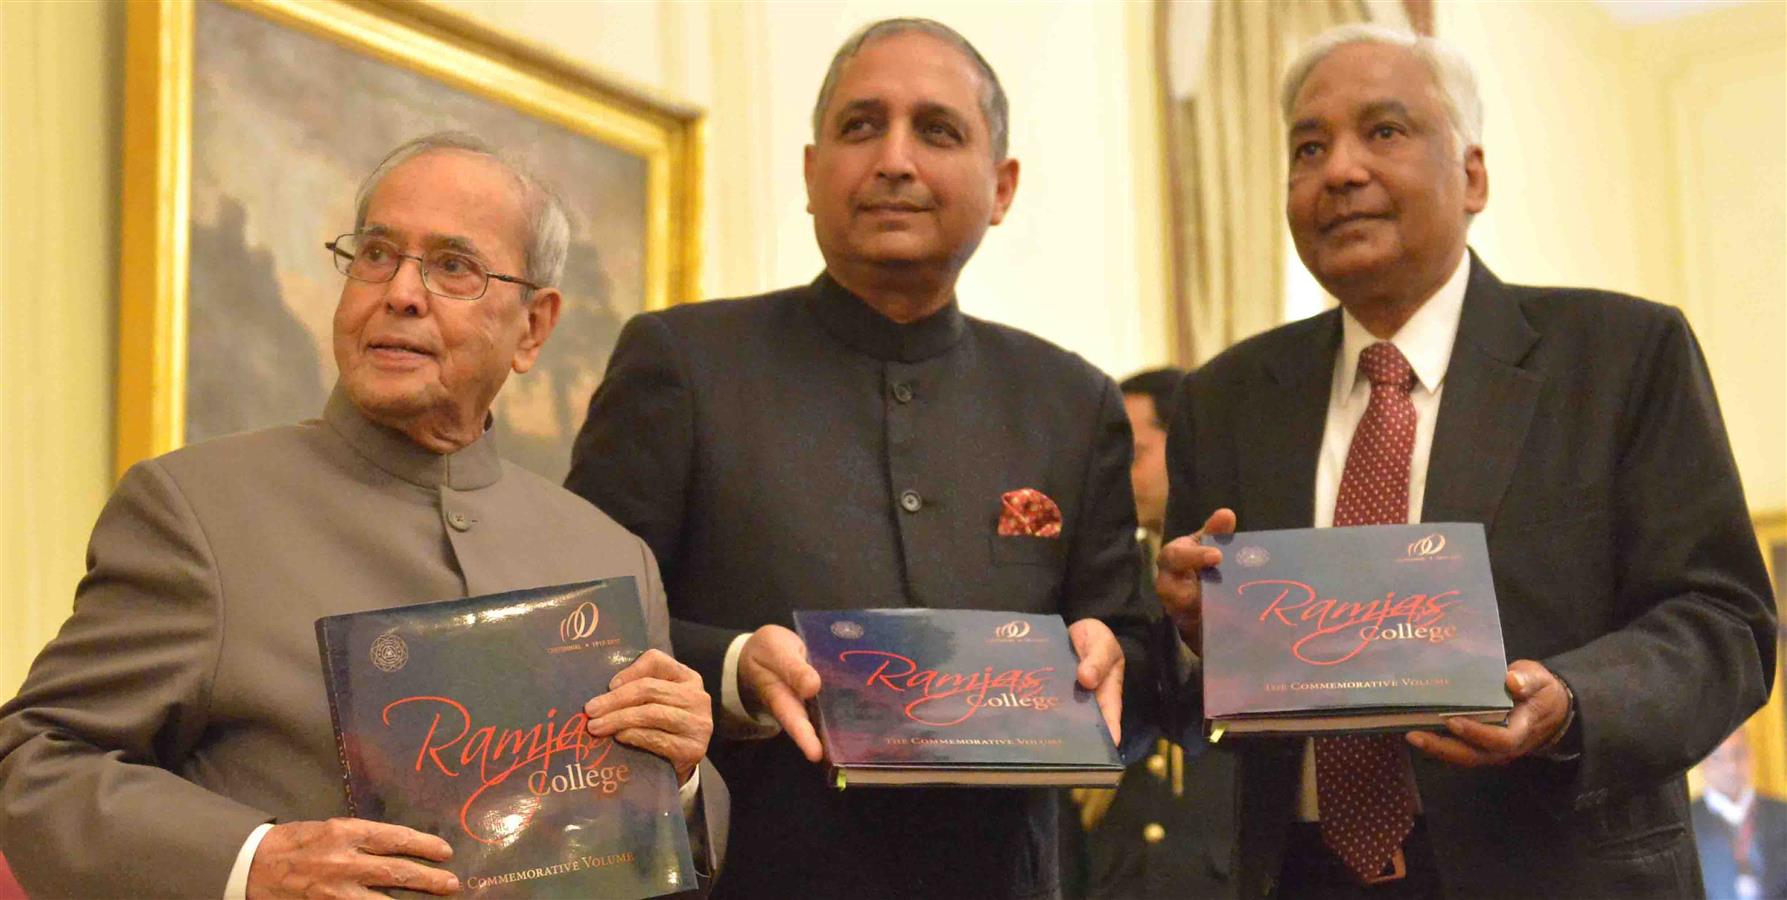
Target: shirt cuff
x,y
734,722
237,887
686,794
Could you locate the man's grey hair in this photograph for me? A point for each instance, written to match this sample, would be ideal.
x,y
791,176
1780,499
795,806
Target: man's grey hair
x,y
548,236
993,106
1451,73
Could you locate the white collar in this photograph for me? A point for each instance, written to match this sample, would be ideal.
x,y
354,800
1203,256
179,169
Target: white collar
x,y
1732,810
1425,339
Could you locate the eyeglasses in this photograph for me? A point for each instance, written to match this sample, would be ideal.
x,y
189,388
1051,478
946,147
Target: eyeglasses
x,y
448,273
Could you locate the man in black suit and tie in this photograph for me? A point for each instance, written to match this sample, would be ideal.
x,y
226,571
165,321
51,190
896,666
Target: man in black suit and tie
x,y
1578,426
1166,831
1742,835
848,444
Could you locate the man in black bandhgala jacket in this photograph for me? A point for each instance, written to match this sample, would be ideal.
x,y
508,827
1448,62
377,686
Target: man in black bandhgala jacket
x,y
849,444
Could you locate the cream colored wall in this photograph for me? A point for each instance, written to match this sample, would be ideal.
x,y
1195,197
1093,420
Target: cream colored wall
x,y
1648,160
59,89
1720,83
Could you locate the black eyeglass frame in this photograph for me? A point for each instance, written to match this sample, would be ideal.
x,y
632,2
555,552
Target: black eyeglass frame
x,y
338,253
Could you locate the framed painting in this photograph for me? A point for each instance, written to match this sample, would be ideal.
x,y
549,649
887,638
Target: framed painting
x,y
248,126
1742,843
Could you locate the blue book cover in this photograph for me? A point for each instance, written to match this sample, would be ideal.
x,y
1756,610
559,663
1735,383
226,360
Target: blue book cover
x,y
464,719
1379,627
935,697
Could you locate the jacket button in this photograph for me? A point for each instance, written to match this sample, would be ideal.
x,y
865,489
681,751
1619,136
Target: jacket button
x,y
460,521
910,501
1157,766
1153,833
902,392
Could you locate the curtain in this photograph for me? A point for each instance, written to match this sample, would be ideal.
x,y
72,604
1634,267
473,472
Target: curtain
x,y
1221,63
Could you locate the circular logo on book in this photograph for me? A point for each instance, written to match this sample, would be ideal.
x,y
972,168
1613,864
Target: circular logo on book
x,y
389,652
580,625
1253,557
1430,545
846,629
1012,630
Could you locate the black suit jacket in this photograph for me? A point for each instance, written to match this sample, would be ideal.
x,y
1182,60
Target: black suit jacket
x,y
763,448
1580,428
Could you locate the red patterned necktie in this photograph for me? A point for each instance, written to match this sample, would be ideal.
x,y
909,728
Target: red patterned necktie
x,y
1363,782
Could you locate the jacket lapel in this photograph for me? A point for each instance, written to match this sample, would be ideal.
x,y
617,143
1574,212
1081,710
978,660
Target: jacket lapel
x,y
1278,451
1486,406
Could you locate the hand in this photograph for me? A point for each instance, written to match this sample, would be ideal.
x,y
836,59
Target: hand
x,y
657,705
1176,578
346,858
1541,706
1101,669
773,674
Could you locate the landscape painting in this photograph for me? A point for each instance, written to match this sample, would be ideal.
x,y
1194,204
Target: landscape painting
x,y
284,124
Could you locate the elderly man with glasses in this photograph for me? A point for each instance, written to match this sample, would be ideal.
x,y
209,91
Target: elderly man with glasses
x,y
175,738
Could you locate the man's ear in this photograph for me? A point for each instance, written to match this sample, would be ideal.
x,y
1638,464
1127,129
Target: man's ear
x,y
1005,186
542,316
807,164
1476,181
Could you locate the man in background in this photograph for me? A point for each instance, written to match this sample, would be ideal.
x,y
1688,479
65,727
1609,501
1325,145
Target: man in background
x,y
175,738
1147,397
1578,426
1741,834
1167,830
850,444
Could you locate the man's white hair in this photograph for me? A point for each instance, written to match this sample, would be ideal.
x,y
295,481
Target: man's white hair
x,y
1451,73
548,236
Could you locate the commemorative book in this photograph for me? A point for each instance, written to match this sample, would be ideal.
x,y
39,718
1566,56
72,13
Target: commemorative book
x,y
1368,628
464,719
953,697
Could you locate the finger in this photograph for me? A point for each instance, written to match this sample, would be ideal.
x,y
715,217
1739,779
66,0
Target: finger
x,y
795,672
1498,740
1184,558
1221,521
1450,750
1527,678
654,716
390,872
384,839
653,663
1097,649
680,751
1110,702
644,691
784,654
791,713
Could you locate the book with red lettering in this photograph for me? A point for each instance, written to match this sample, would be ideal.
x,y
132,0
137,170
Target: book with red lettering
x,y
464,719
953,697
1368,628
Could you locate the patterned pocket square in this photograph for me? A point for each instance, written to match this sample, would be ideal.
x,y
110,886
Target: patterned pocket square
x,y
1029,512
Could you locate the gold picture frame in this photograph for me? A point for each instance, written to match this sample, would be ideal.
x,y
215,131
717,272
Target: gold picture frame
x,y
448,51
1767,727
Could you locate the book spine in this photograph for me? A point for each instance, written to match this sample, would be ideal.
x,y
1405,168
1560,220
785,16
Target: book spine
x,y
816,712
334,685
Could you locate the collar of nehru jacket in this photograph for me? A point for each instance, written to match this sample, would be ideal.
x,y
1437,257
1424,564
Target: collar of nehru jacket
x,y
855,323
467,469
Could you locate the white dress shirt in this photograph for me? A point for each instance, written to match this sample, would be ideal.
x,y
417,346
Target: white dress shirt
x,y
1425,340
